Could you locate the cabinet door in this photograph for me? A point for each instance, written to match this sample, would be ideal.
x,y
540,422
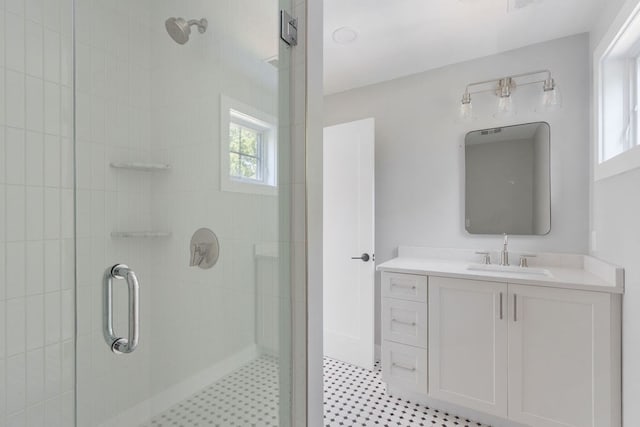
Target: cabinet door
x,y
558,358
468,343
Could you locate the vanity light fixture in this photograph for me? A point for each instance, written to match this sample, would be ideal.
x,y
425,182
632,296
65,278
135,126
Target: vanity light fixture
x,y
503,88
466,109
505,102
551,99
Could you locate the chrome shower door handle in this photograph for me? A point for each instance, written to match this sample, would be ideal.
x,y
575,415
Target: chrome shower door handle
x,y
120,345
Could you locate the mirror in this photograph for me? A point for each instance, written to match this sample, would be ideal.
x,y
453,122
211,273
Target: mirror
x,y
507,182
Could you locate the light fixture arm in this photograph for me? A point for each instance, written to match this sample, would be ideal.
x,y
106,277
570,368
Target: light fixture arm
x,y
549,83
503,88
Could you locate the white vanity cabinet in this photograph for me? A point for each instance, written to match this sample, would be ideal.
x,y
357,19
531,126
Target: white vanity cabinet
x,y
468,343
404,331
536,355
560,357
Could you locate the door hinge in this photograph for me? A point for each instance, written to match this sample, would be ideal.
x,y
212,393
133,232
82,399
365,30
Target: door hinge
x,y
288,28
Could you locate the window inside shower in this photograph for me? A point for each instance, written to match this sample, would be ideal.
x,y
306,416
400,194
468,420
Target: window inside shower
x,y
248,149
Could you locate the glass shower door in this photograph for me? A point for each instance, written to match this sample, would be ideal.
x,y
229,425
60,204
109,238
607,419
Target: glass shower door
x,y
182,168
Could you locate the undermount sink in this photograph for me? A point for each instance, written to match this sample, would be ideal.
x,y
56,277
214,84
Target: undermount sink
x,y
509,269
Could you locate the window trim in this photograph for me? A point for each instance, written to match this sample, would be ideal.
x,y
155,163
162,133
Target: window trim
x,y
628,19
245,115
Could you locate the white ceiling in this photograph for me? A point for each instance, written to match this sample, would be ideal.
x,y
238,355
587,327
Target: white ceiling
x,y
401,37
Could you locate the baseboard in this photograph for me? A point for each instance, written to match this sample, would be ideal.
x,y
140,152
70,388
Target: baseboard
x,y
267,351
162,401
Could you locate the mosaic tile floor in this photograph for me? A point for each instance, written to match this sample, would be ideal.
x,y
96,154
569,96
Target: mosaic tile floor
x,y
352,397
356,397
246,397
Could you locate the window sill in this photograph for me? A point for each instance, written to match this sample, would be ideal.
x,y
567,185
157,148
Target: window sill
x,y
239,186
623,162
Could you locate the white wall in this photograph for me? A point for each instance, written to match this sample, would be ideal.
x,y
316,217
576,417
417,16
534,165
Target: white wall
x,y
419,159
614,219
36,215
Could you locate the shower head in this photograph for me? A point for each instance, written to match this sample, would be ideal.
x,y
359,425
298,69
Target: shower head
x,y
179,29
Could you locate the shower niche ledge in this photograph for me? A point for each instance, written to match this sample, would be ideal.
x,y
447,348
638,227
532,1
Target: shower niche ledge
x,y
140,234
141,166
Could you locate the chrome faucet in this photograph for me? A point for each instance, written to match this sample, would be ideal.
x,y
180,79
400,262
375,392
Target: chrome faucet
x,y
504,254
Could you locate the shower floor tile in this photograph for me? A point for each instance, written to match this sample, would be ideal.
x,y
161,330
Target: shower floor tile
x,y
246,397
352,397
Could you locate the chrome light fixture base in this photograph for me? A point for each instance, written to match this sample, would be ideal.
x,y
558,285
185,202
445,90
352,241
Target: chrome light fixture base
x,y
503,87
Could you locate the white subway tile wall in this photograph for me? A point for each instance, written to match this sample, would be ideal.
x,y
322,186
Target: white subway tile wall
x,y
214,311
140,97
113,121
36,214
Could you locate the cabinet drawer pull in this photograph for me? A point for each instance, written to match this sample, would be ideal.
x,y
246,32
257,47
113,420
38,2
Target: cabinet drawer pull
x,y
515,307
500,305
413,288
395,365
402,322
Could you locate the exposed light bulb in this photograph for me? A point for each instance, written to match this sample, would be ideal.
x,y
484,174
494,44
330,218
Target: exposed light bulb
x,y
551,99
466,108
505,107
466,112
505,103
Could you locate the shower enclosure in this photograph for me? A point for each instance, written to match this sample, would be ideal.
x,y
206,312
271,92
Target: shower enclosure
x,y
145,204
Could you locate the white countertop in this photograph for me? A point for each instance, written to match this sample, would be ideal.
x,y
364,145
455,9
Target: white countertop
x,y
591,275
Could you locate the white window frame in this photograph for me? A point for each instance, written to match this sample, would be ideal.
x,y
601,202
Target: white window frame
x,y
621,41
233,111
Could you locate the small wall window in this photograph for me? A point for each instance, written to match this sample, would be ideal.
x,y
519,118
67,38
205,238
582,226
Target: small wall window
x,y
617,76
248,149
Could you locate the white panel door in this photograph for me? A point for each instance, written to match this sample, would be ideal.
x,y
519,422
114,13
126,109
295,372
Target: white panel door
x,y
349,233
468,343
558,357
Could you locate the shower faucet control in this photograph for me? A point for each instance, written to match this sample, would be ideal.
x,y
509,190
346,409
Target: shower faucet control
x,y
199,253
205,249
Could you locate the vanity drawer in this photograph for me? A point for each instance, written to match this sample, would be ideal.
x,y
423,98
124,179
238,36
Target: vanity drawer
x,y
404,322
404,366
410,287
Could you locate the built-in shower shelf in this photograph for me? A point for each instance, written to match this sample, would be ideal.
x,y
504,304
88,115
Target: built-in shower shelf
x,y
141,166
140,234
